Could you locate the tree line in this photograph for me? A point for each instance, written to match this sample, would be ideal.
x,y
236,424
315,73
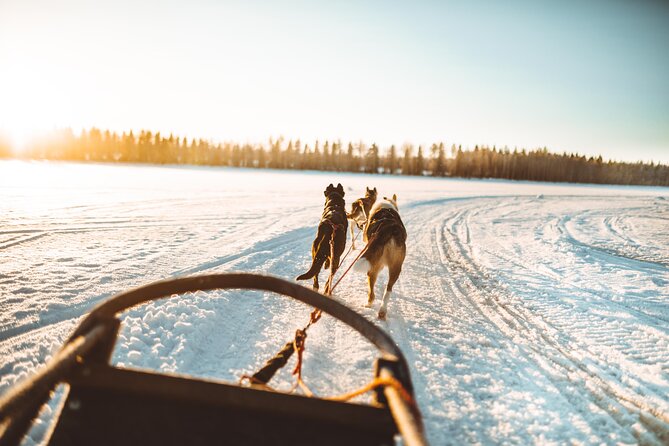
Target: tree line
x,y
434,160
5,148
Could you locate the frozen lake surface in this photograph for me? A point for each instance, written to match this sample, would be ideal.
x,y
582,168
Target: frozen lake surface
x,y
529,312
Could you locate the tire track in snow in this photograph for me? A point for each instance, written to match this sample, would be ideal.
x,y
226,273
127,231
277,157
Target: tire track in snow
x,y
549,273
76,310
609,256
444,339
91,227
13,241
613,226
455,288
509,318
272,244
467,283
529,317
449,342
73,311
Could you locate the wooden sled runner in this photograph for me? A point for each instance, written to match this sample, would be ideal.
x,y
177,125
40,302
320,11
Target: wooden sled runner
x,y
105,405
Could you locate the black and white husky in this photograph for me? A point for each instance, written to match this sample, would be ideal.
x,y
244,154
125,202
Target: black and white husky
x,y
359,211
386,238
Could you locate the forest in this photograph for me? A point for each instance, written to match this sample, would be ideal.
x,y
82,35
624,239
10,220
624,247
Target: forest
x,y
436,160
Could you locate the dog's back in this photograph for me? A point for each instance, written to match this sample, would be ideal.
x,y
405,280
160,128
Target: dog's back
x,y
334,211
386,237
330,238
361,207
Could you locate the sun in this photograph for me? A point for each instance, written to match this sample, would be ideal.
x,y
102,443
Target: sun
x,y
18,138
17,123
29,107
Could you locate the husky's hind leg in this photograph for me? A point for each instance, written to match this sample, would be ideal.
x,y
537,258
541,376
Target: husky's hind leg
x,y
372,274
394,270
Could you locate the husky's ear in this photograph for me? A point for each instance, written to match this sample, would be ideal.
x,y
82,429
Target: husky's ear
x,y
368,189
374,190
328,189
340,188
394,197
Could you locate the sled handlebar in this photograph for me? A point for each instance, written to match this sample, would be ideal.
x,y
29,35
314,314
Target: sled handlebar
x,y
166,288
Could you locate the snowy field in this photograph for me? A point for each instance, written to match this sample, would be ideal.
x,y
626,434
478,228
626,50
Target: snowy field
x,y
530,313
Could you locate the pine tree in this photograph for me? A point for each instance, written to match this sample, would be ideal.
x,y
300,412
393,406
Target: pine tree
x,y
407,162
288,162
261,156
372,162
327,161
318,160
336,156
350,161
419,166
275,154
440,164
391,165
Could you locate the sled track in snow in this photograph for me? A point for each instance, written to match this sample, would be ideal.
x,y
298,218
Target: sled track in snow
x,y
609,255
479,291
17,240
75,310
284,240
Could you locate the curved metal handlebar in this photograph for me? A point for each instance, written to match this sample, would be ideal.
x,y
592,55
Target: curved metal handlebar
x,y
167,288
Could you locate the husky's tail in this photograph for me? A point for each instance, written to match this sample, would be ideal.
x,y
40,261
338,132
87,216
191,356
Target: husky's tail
x,y
376,245
362,265
322,244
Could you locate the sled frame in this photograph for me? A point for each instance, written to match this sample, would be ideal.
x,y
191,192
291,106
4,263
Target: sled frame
x,y
199,411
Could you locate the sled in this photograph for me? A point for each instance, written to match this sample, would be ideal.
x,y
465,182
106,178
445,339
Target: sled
x,y
106,405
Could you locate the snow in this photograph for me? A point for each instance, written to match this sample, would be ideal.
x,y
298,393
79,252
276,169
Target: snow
x,y
529,312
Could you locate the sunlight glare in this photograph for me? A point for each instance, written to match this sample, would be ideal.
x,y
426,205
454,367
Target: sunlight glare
x,y
19,138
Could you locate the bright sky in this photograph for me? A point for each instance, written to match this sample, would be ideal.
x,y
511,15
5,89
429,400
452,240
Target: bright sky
x,y
591,77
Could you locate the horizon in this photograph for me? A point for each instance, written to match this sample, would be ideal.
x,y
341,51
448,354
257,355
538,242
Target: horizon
x,y
48,138
577,78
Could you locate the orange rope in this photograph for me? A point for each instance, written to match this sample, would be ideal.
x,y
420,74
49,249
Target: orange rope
x,y
313,318
298,345
307,391
364,250
377,382
300,340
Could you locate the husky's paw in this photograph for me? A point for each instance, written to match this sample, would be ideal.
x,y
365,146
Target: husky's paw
x,y
382,315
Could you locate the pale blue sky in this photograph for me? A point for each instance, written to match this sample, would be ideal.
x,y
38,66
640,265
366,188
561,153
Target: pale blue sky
x,y
591,77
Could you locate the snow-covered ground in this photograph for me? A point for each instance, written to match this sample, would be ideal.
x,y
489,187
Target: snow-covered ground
x,y
529,313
